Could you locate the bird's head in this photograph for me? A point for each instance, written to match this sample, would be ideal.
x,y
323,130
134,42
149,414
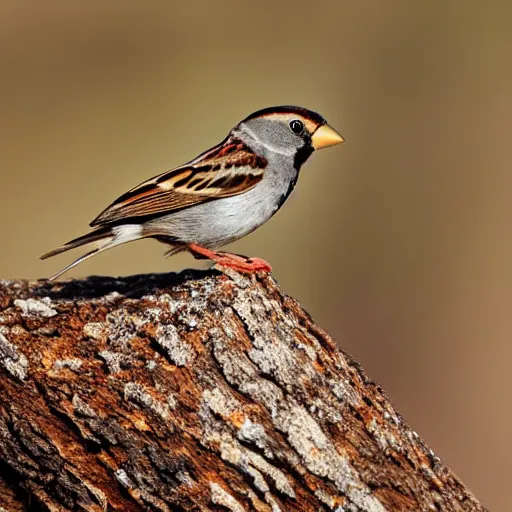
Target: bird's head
x,y
290,130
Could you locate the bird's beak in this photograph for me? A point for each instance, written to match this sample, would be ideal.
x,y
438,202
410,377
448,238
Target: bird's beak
x,y
325,136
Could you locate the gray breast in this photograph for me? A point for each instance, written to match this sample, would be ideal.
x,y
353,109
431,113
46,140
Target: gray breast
x,y
221,221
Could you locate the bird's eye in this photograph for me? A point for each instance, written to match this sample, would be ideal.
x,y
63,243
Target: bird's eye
x,y
296,126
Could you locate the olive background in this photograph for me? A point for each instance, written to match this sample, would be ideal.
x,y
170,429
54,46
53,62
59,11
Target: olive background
x,y
398,242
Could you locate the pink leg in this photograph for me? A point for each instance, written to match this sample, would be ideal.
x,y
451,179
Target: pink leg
x,y
234,261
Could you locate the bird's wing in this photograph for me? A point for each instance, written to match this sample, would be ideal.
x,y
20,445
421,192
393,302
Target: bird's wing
x,y
228,169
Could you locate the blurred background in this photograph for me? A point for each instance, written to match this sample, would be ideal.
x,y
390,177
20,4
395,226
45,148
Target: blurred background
x,y
399,242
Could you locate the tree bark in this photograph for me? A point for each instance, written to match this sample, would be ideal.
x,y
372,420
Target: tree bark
x,y
196,391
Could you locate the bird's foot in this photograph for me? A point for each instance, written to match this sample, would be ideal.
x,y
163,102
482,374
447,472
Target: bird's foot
x,y
227,259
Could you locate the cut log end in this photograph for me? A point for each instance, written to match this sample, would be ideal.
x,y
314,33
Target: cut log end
x,y
196,391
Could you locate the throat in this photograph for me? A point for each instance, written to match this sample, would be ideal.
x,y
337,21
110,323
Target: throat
x,y
302,155
285,196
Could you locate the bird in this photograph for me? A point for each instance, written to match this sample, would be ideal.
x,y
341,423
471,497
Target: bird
x,y
220,196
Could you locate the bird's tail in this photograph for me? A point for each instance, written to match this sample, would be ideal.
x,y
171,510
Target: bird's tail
x,y
100,240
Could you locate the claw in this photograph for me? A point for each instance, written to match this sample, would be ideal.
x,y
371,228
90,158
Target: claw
x,y
234,261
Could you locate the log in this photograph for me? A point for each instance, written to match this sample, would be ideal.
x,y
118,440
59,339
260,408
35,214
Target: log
x,y
191,392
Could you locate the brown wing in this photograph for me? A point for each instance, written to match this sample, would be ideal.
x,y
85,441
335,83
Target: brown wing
x,y
226,170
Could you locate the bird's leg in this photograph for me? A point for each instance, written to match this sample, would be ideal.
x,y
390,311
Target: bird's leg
x,y
227,259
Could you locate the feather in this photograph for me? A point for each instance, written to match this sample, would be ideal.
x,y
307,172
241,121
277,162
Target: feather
x,y
97,235
228,169
100,240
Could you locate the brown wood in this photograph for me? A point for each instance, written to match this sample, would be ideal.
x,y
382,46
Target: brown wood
x,y
196,391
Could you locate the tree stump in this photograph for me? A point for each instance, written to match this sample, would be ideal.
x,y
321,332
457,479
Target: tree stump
x,y
192,392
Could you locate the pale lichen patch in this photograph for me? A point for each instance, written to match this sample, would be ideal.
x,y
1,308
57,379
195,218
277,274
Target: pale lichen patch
x,y
254,433
12,360
240,371
272,502
122,326
123,478
220,402
153,313
384,437
241,280
18,330
73,364
325,498
95,330
321,457
257,478
308,350
36,307
171,401
112,297
136,393
82,407
179,351
342,390
254,465
219,496
114,360
185,478
279,478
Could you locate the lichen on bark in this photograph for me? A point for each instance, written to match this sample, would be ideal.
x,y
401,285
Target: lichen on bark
x,y
196,391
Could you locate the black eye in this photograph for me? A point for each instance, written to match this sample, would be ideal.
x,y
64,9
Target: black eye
x,y
296,126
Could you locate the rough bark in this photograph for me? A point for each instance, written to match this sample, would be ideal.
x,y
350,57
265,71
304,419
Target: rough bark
x,y
196,391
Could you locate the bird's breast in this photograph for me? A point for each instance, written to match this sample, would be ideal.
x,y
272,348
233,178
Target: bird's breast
x,y
221,221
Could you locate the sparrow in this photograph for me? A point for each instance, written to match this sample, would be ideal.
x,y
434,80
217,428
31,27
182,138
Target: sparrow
x,y
218,197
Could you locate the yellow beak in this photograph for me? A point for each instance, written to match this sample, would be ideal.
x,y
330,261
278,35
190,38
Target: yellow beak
x,y
325,136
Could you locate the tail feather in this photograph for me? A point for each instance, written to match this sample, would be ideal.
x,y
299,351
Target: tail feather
x,y
94,236
102,239
86,256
